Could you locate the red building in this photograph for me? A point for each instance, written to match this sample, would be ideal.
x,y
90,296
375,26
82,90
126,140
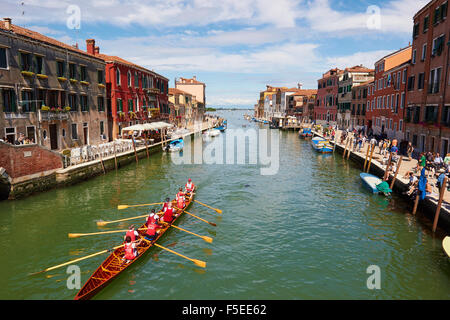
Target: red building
x,y
428,109
325,110
386,96
134,93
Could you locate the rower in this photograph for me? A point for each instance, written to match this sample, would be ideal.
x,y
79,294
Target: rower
x,y
168,214
133,234
152,230
151,217
189,187
165,204
129,249
180,199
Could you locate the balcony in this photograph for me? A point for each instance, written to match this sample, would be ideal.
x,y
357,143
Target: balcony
x,y
54,116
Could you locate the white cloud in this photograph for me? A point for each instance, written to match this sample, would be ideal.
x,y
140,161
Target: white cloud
x,y
367,59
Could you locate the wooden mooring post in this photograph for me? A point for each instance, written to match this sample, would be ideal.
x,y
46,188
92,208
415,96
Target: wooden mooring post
x,y
367,157
349,148
386,171
370,159
345,148
146,146
396,172
115,156
438,209
134,147
416,203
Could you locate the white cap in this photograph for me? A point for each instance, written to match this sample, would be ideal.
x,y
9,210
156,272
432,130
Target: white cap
x,y
151,214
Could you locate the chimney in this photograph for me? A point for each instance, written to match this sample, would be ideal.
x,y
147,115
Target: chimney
x,y
195,78
97,50
7,23
299,85
75,45
90,46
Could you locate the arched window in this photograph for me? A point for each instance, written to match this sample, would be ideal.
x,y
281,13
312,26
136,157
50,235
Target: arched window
x,y
129,78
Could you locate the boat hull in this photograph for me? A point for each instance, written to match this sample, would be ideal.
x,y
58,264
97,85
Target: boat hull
x,y
370,181
113,266
321,145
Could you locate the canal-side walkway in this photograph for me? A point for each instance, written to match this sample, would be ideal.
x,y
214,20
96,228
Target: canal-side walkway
x,y
24,186
401,185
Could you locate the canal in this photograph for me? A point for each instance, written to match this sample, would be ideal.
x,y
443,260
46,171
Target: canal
x,y
308,232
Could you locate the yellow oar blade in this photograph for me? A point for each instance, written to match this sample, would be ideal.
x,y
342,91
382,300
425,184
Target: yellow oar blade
x,y
122,206
101,223
74,235
199,263
208,239
125,206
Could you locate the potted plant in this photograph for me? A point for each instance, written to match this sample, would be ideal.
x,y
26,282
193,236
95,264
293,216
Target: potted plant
x,y
62,79
45,108
27,73
67,109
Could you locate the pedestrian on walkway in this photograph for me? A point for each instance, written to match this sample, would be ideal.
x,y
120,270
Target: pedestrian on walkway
x,y
409,151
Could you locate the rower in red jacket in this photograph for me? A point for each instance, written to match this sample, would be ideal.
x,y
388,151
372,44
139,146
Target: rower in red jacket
x,y
168,214
165,204
180,199
130,251
133,234
189,186
152,230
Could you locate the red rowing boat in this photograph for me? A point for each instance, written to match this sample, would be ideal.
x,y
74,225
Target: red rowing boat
x,y
115,265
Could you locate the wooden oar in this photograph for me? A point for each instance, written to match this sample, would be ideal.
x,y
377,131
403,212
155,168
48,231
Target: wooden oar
x,y
199,263
76,260
217,210
104,223
207,239
77,235
125,206
211,223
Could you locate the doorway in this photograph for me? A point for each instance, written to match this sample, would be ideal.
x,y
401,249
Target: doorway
x,y
86,133
53,136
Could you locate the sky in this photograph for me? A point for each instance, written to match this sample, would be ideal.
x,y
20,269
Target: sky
x,y
236,47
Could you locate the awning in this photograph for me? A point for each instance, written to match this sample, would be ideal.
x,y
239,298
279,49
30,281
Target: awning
x,y
148,126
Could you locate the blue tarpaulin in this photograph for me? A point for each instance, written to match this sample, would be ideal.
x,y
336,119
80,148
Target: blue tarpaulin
x,y
422,185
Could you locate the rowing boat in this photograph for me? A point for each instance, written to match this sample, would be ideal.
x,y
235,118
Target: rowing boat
x,y
321,145
114,265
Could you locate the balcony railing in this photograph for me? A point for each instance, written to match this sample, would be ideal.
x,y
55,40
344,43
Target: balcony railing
x,y
54,116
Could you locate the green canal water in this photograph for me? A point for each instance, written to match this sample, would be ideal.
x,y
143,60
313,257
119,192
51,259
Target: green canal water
x,y
308,232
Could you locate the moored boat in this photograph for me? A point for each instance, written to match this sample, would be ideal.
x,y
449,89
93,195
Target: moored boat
x,y
321,145
305,133
114,265
176,145
446,245
375,184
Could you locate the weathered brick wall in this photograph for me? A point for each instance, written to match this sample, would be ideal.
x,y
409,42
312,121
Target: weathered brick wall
x,y
24,160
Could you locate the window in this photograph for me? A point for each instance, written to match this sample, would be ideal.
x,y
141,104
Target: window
x,y
100,76
74,131
3,59
414,56
421,80
39,65
130,105
404,76
426,22
83,73
416,30
402,101
102,128
25,61
73,102
438,45
10,134
136,80
84,103
31,133
119,105
118,76
129,78
424,52
400,125
27,101
9,100
431,113
72,71
100,104
60,68
411,81
435,80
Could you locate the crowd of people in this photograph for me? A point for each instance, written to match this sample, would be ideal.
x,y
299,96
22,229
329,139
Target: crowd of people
x,y
430,164
20,140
